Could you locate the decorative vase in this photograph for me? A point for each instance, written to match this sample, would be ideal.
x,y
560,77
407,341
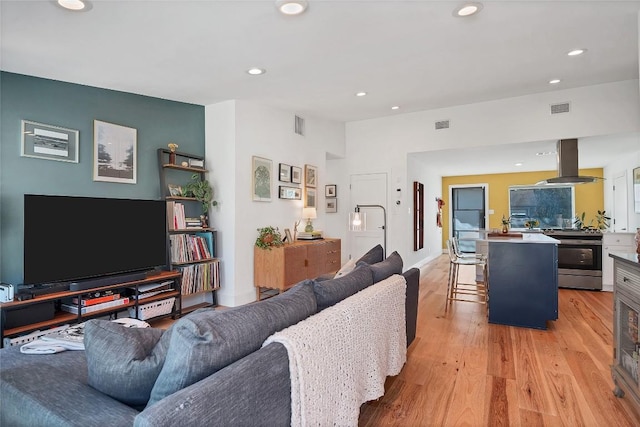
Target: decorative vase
x,y
172,158
505,228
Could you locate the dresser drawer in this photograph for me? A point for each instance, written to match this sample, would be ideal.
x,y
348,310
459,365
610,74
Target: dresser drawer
x,y
627,278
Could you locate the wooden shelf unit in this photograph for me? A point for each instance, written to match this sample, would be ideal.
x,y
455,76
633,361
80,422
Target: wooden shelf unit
x,y
62,317
211,281
282,267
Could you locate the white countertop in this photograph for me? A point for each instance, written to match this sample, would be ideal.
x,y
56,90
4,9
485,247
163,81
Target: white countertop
x,y
526,238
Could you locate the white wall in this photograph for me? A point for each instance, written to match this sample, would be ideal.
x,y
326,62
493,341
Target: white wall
x,y
236,131
623,164
382,145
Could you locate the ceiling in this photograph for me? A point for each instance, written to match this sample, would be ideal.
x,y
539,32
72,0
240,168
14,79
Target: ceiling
x,y
414,54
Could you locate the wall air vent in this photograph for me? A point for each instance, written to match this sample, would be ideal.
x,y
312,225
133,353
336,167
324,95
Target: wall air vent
x,y
442,124
563,107
298,125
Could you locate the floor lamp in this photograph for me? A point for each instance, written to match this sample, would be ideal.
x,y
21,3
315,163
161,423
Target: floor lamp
x,y
358,222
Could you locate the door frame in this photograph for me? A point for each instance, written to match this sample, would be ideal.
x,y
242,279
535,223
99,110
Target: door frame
x,y
485,187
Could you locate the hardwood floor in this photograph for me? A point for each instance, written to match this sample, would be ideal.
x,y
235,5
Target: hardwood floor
x,y
463,371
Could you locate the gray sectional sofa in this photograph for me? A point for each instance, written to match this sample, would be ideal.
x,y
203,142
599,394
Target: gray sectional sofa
x,y
207,369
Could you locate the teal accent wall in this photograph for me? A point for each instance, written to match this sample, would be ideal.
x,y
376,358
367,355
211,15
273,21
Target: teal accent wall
x,y
74,106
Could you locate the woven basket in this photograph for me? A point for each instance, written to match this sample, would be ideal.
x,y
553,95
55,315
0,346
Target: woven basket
x,y
153,309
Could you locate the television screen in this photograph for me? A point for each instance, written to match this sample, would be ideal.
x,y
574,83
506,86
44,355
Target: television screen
x,y
73,238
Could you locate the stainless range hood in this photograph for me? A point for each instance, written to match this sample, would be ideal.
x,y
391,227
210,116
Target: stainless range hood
x,y
568,166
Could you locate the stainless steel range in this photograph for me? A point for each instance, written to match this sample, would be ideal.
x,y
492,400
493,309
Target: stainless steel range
x,y
579,258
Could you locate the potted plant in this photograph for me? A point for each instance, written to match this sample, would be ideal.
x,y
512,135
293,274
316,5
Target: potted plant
x,y
268,237
505,224
201,190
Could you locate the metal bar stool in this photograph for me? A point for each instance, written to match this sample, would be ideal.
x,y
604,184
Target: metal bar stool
x,y
457,291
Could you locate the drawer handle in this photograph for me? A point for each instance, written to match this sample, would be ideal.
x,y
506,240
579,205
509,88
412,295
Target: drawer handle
x,y
625,279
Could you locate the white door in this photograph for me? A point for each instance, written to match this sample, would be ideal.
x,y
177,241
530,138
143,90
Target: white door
x,y
620,211
368,189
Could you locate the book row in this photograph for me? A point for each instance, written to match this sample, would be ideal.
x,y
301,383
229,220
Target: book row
x,y
200,277
190,247
177,219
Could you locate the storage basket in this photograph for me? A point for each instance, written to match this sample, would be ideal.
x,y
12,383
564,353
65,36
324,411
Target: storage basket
x,y
152,309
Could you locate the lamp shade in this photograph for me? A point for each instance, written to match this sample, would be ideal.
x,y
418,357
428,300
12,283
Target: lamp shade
x,y
309,213
357,221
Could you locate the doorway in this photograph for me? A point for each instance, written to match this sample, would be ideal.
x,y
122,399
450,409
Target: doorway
x,y
620,209
468,215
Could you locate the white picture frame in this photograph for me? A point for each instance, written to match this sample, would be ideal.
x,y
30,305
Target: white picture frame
x,y
114,153
49,142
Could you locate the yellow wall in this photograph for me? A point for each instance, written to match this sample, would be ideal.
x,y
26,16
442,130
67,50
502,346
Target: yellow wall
x,y
589,198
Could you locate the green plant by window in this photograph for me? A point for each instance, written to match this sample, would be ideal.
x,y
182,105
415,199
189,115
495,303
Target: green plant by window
x,y
201,190
268,237
602,221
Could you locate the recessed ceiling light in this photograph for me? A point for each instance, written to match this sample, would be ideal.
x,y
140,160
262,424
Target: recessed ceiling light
x,y
256,71
545,153
576,52
554,81
395,107
74,5
292,7
361,93
467,9
518,164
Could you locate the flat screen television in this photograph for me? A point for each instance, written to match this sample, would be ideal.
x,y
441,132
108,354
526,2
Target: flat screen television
x,y
69,239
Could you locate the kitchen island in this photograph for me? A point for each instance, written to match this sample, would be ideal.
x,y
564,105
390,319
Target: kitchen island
x,y
523,279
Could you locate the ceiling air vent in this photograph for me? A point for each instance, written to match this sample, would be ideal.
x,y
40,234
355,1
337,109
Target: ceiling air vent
x,y
442,124
298,125
563,107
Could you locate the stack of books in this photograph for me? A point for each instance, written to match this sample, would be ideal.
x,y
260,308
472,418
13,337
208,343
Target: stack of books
x,y
91,305
313,235
192,223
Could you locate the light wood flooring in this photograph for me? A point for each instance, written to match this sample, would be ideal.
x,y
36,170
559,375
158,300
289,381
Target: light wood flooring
x,y
463,371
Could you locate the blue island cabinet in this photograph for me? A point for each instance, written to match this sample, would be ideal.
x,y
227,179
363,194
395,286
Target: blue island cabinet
x,y
523,282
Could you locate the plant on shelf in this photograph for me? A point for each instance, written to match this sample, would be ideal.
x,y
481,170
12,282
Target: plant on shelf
x,y
268,237
201,190
172,152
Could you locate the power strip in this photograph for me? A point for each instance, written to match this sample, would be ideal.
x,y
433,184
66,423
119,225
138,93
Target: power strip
x,y
21,340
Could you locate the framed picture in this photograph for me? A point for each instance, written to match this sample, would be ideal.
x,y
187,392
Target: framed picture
x,y
310,176
287,235
175,190
310,198
114,153
261,170
296,175
285,173
331,205
330,191
49,142
636,189
290,193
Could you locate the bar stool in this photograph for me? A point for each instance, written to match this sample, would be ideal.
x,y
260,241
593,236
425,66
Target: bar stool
x,y
457,291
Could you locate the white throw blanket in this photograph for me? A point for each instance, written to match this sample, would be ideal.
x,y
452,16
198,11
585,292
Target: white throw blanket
x,y
340,357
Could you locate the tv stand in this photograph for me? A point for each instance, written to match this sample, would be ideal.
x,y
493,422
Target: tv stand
x,y
108,280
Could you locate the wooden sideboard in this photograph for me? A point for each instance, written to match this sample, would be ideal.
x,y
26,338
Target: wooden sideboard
x,y
282,267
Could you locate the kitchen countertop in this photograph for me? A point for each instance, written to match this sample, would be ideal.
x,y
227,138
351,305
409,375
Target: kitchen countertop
x,y
526,238
626,257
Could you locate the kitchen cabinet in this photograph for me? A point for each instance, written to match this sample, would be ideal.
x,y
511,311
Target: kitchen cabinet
x,y
614,242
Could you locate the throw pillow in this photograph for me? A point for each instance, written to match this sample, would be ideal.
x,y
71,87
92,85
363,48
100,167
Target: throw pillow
x,y
375,254
203,343
390,266
330,292
346,269
124,362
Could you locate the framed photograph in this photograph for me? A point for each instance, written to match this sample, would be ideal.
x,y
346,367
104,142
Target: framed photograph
x,y
331,205
310,198
114,153
49,142
175,190
287,235
196,163
261,171
310,176
330,191
636,189
285,173
296,175
290,193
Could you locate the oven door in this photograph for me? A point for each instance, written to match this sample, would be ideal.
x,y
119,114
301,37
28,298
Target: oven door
x,y
578,254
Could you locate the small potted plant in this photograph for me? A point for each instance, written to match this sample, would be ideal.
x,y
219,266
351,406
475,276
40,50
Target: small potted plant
x,y
268,237
506,221
201,190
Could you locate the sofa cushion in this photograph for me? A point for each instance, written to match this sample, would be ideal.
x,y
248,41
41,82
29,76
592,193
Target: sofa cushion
x,y
205,342
375,254
330,292
122,362
346,269
390,266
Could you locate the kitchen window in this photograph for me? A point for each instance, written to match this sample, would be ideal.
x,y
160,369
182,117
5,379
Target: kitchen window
x,y
552,206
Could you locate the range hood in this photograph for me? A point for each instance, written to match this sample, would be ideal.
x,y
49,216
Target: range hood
x,y
568,166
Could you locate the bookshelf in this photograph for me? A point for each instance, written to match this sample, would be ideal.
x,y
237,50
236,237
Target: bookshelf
x,y
192,244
